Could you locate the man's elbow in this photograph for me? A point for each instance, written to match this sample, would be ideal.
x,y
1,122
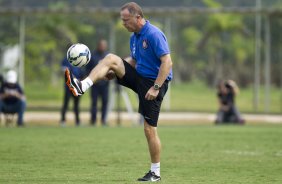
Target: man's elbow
x,y
170,63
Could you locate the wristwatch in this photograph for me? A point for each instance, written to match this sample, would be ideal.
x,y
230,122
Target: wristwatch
x,y
156,86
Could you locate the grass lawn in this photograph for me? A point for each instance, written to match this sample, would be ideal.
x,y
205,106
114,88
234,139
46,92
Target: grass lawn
x,y
191,154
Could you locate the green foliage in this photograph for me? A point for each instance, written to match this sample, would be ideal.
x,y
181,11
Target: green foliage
x,y
203,47
219,48
47,43
242,47
147,3
122,38
9,31
192,37
212,4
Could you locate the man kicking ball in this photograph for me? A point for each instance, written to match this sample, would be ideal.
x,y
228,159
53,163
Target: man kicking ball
x,y
147,72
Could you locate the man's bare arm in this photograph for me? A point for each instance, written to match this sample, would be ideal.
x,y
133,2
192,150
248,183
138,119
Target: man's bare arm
x,y
164,69
162,75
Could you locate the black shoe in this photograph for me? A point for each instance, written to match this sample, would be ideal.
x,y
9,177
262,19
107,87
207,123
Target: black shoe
x,y
93,123
20,125
150,176
73,84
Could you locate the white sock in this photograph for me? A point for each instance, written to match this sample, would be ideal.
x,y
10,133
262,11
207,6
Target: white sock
x,y
155,167
86,83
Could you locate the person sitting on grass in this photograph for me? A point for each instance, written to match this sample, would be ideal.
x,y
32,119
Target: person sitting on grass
x,y
228,111
12,98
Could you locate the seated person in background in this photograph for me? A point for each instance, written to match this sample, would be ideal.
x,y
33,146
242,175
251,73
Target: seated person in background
x,y
228,112
12,99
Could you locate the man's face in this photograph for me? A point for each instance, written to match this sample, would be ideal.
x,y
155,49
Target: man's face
x,y
130,22
102,46
223,88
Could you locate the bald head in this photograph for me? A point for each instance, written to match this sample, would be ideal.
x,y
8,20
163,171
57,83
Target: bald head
x,y
132,17
133,8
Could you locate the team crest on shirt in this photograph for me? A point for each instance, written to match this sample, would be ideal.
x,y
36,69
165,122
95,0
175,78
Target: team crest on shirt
x,y
144,44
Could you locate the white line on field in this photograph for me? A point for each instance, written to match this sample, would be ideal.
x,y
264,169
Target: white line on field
x,y
279,154
244,153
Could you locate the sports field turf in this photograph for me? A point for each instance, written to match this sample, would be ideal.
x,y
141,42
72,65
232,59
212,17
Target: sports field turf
x,y
191,154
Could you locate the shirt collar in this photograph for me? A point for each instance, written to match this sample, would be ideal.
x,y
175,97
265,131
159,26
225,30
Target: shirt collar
x,y
144,28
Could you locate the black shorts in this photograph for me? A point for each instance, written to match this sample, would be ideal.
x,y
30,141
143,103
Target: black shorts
x,y
150,109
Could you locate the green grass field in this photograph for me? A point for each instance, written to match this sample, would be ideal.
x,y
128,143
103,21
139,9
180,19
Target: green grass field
x,y
191,154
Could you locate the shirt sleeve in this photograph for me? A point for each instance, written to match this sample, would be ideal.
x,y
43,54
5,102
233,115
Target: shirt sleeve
x,y
159,44
65,63
20,90
131,47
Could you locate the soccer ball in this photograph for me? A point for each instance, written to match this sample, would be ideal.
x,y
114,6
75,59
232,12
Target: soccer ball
x,y
78,55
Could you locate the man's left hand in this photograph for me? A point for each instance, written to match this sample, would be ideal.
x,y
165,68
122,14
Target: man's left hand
x,y
151,94
110,75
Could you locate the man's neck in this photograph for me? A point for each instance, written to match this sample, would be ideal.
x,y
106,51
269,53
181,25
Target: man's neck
x,y
142,23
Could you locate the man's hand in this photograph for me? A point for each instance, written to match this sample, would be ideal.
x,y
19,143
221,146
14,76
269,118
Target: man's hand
x,y
110,75
11,94
225,108
152,94
14,94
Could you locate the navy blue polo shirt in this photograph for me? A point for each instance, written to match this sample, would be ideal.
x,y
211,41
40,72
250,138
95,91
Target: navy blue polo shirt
x,y
76,71
8,88
146,48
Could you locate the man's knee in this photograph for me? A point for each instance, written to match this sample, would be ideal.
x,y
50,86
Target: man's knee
x,y
115,63
149,130
20,107
23,104
112,59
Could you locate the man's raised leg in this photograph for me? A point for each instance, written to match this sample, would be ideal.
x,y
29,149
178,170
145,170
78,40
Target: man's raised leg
x,y
110,62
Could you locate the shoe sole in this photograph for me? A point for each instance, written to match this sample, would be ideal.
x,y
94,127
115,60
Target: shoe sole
x,y
68,82
143,180
149,180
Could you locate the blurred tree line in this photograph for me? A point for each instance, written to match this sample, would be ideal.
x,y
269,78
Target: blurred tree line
x,y
204,47
144,3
